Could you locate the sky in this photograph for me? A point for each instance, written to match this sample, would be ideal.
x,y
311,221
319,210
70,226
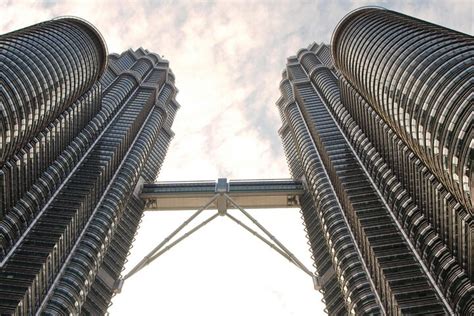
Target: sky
x,y
227,57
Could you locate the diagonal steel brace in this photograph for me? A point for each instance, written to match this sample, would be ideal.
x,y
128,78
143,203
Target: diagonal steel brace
x,y
155,253
281,249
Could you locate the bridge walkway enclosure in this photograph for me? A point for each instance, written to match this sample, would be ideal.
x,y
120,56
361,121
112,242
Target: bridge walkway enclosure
x,y
191,195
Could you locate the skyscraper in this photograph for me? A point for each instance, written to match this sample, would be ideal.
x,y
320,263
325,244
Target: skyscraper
x,y
74,151
383,138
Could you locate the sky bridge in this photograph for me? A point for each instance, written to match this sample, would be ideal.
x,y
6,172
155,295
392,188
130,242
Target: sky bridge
x,y
191,195
221,195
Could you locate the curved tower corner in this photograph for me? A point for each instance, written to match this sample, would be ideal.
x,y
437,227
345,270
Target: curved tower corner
x,y
418,77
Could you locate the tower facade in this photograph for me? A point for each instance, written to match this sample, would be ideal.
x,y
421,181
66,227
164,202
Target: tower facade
x,y
81,131
379,125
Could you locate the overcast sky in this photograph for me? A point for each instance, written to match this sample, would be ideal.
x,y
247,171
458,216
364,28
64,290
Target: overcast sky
x,y
227,57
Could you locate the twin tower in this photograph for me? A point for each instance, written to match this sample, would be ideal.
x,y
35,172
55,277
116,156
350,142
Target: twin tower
x,y
378,127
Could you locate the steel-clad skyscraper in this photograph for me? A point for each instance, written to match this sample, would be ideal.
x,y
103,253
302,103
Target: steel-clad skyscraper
x,y
74,149
384,140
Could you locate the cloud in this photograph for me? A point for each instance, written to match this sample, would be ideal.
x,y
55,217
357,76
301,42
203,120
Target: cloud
x,y
227,58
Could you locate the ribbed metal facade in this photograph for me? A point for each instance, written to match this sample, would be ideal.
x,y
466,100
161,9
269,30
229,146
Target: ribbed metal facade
x,y
75,151
48,82
418,77
143,165
383,139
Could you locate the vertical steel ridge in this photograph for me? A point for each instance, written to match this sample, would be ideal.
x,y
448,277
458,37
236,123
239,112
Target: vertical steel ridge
x,y
99,39
97,232
418,77
20,172
353,278
56,237
17,223
49,93
152,151
325,84
45,67
419,220
407,84
101,227
409,209
333,153
422,207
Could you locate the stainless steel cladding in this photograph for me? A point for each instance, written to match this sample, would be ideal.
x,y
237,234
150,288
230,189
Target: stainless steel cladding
x,y
45,68
388,128
418,77
49,93
74,150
